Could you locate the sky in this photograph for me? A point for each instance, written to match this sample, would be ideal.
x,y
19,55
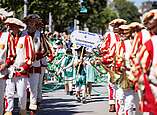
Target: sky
x,y
138,2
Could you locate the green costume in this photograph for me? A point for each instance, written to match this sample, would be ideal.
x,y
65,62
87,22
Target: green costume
x,y
81,77
54,66
90,73
68,72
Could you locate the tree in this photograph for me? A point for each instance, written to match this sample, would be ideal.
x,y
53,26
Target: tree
x,y
127,10
106,15
98,16
92,18
14,5
63,11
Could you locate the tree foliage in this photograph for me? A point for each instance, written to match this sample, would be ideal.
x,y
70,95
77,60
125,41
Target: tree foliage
x,y
15,5
99,15
127,10
65,11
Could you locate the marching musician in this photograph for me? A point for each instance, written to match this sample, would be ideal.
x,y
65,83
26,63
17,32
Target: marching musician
x,y
144,68
140,35
41,49
107,52
124,87
7,55
19,70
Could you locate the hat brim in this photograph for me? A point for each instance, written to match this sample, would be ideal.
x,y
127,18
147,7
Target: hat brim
x,y
39,22
34,17
14,21
124,27
117,22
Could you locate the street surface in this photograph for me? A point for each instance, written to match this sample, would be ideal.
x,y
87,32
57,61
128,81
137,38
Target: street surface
x,y
58,103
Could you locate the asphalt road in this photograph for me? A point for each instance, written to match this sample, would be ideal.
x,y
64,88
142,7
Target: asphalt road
x,y
58,103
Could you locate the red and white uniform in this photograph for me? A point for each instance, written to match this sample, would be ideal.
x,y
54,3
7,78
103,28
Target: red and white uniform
x,y
35,81
108,48
49,55
19,72
35,71
139,39
43,67
107,51
145,68
7,54
124,97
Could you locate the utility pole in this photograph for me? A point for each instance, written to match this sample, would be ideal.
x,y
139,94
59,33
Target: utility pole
x,y
50,22
25,8
86,28
76,24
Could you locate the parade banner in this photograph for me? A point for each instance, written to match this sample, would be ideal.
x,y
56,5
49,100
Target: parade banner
x,y
85,39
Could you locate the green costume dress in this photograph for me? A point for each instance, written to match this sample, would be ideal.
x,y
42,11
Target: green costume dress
x,y
81,77
68,72
90,73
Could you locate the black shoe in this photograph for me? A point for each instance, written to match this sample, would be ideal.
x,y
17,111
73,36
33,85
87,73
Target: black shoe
x,y
134,109
78,99
71,92
68,93
38,105
84,100
27,105
112,108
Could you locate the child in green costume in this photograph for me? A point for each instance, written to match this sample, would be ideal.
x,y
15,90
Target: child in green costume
x,y
59,56
90,76
80,76
67,68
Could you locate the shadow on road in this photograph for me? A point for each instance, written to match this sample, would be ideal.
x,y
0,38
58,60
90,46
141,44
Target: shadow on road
x,y
59,106
96,99
61,112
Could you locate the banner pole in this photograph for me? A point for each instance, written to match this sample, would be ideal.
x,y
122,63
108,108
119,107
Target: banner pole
x,y
80,63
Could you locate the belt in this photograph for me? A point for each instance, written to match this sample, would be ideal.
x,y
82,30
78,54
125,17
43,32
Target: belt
x,y
21,71
35,70
42,65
